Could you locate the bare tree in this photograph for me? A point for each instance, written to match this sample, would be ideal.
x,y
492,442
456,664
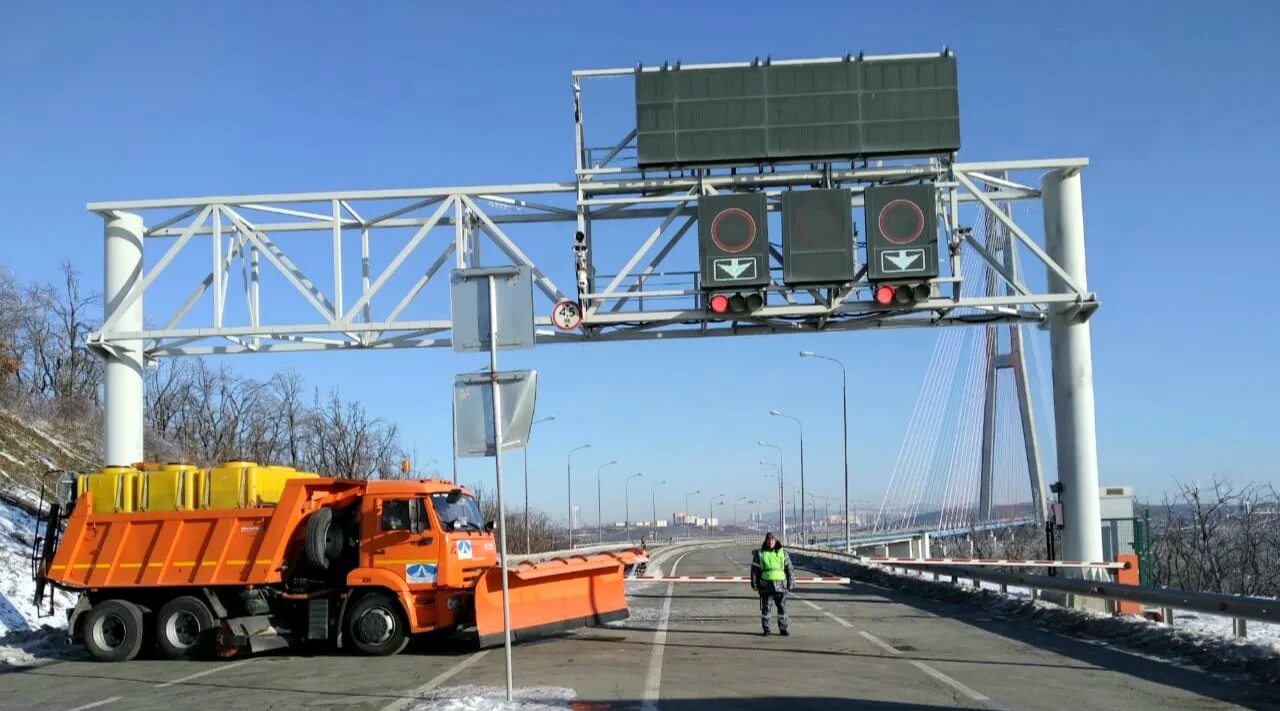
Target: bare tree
x,y
1223,539
346,442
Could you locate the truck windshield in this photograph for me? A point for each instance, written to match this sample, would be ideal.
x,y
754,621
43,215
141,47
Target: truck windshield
x,y
460,514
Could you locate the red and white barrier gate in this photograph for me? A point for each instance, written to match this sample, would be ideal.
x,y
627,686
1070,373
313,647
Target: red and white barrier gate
x,y
994,562
811,580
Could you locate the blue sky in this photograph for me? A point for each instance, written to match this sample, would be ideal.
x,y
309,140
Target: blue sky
x,y
1175,104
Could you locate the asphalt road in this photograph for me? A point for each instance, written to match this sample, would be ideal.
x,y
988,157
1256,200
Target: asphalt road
x,y
690,647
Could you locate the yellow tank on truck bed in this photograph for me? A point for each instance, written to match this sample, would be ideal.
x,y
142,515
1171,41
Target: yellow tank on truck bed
x,y
170,488
236,485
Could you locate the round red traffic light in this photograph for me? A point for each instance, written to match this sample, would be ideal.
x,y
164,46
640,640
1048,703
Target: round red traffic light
x,y
901,221
884,294
719,303
733,230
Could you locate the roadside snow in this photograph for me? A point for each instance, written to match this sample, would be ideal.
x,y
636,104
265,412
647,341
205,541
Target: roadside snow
x,y
1221,626
492,698
1255,656
26,648
27,635
1215,625
17,609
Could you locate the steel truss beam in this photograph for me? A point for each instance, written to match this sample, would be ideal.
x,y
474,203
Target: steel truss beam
x,y
628,307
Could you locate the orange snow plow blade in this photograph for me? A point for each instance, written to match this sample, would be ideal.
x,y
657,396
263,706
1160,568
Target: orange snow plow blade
x,y
554,595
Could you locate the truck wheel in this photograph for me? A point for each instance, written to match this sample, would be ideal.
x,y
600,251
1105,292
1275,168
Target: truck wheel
x,y
324,540
113,630
184,628
376,626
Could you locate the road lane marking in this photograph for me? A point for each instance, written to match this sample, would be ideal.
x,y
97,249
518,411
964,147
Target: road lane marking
x,y
206,672
839,620
879,642
950,682
96,704
653,682
416,694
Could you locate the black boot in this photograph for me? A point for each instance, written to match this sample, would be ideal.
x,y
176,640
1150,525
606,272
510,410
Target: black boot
x,y
765,632
783,631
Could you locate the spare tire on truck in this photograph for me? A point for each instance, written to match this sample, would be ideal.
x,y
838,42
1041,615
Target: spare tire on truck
x,y
112,630
324,540
184,628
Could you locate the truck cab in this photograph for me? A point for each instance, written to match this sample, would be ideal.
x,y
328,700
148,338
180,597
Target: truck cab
x,y
426,542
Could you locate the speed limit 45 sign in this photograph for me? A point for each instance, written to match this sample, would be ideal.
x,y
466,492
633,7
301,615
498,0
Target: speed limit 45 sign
x,y
567,315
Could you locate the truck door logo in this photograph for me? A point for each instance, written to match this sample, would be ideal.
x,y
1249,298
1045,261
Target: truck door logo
x,y
420,573
464,550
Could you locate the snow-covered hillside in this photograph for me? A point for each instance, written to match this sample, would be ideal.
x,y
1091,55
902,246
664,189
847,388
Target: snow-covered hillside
x,y
27,451
27,634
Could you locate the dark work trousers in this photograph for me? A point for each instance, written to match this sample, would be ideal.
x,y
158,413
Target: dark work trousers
x,y
778,593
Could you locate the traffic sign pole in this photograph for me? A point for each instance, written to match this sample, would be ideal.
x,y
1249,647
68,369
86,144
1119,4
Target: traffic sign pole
x,y
497,465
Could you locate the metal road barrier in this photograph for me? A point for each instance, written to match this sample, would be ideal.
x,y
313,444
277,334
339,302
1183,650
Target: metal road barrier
x,y
992,562
1238,607
808,580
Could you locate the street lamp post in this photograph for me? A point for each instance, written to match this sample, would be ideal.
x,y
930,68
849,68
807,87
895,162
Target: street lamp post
x,y
626,503
793,490
527,548
653,499
735,510
568,468
782,507
711,512
686,505
844,391
599,510
796,420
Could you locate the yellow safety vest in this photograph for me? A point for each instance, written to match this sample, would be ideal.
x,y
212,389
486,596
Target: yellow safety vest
x,y
771,565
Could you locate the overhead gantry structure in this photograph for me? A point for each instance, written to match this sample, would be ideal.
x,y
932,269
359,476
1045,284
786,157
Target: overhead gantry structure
x,y
364,269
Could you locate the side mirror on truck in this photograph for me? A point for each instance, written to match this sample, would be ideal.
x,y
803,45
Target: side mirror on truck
x,y
490,526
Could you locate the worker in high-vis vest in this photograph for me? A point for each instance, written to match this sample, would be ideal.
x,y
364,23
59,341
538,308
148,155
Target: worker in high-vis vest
x,y
771,579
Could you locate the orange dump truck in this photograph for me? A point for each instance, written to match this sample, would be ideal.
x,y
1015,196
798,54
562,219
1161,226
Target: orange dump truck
x,y
243,558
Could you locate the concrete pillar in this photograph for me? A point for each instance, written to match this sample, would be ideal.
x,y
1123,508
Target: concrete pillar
x,y
1072,359
122,426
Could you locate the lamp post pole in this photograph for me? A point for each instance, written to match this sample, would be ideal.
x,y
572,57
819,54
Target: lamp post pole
x,y
686,505
568,467
796,420
711,512
653,499
844,402
626,503
735,510
599,510
782,506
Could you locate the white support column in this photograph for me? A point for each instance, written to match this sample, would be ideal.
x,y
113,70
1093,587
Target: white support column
x,y
1072,370
122,413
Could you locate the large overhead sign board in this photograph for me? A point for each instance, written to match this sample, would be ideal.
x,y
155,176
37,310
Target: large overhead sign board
x,y
777,112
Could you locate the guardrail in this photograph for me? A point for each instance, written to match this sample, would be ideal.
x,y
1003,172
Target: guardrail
x,y
1239,608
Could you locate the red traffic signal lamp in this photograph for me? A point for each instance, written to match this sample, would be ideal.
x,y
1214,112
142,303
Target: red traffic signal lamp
x,y
901,294
735,302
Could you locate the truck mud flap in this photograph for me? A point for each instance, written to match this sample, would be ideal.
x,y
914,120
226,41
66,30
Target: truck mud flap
x,y
253,634
554,596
